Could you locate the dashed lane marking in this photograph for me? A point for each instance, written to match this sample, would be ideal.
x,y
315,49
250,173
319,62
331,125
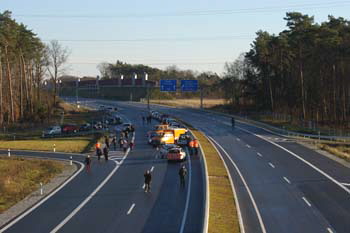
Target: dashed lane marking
x,y
306,201
248,146
286,179
259,154
271,165
131,208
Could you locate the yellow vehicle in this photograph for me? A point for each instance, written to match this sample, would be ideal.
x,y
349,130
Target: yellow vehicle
x,y
171,136
178,131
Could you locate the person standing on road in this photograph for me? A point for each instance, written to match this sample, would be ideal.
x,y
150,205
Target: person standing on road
x,y
114,142
182,174
121,142
88,163
98,150
233,122
126,133
107,141
105,152
148,179
191,146
125,145
143,120
131,144
195,146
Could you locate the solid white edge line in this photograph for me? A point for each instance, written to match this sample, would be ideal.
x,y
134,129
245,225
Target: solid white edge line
x,y
86,200
207,190
233,187
131,208
286,179
184,217
263,229
345,184
271,165
300,158
14,221
306,201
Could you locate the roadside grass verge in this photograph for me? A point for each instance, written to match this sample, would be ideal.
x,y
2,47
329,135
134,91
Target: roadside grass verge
x,y
223,213
69,145
19,177
339,150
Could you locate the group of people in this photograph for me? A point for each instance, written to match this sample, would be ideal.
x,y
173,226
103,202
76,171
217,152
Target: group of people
x,y
193,146
148,178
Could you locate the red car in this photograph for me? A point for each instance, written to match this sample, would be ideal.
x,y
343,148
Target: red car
x,y
70,128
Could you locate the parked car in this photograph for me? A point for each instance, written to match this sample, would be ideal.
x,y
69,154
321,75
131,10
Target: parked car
x,y
53,130
85,127
164,149
70,128
176,154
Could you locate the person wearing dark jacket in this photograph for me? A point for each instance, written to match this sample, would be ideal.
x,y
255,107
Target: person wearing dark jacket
x,y
114,142
107,141
105,152
148,179
88,163
182,174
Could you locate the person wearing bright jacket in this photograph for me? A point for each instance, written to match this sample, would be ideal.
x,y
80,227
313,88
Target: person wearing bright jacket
x,y
191,147
195,146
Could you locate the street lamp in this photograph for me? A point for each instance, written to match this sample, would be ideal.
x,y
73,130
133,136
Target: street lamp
x,y
76,91
147,88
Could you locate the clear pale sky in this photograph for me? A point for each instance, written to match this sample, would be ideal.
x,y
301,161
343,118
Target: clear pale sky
x,y
191,34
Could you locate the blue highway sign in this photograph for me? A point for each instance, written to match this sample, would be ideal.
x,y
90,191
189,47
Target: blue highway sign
x,y
167,85
189,85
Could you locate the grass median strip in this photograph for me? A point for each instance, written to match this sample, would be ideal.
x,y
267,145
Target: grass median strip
x,y
70,145
19,177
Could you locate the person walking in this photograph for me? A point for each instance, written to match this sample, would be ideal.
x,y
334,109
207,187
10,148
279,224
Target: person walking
x,y
191,147
98,150
114,143
88,163
121,142
182,174
125,145
126,133
143,120
105,152
131,144
107,141
148,179
233,122
195,146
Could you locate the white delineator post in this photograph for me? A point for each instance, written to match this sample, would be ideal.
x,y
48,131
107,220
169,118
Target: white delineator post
x,y
9,152
41,189
54,147
71,161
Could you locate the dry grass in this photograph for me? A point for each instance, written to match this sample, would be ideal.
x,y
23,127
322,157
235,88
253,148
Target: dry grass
x,y
72,145
340,150
223,213
19,177
192,103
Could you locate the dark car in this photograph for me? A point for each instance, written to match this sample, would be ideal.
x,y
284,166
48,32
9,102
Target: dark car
x,y
85,127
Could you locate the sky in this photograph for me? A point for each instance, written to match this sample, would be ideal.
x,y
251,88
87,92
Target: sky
x,y
192,34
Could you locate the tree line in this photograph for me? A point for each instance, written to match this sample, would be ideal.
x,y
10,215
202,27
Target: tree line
x,y
24,63
303,71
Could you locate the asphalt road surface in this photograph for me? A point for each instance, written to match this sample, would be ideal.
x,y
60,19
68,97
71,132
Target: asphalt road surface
x,y
111,197
281,186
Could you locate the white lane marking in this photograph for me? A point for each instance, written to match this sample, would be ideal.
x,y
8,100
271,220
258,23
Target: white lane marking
x,y
184,217
238,139
82,204
131,208
248,146
271,165
143,186
239,212
286,179
306,201
303,160
246,186
260,154
152,168
329,230
345,184
82,166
